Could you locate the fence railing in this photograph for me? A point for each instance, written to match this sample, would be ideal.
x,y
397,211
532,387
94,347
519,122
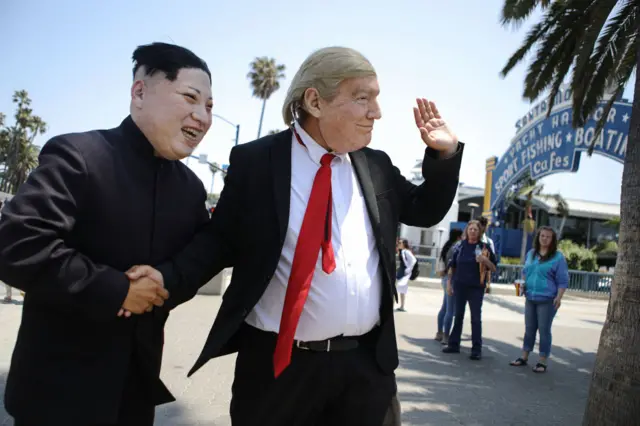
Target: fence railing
x,y
590,282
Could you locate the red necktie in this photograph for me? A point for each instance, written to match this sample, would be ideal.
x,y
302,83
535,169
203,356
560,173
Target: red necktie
x,y
315,234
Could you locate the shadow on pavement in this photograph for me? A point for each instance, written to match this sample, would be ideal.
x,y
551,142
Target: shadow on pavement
x,y
174,413
596,322
450,389
504,303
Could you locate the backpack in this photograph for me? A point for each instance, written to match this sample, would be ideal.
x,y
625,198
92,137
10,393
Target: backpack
x,y
415,272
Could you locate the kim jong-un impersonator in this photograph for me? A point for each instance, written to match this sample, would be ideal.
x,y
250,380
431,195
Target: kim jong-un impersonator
x,y
98,203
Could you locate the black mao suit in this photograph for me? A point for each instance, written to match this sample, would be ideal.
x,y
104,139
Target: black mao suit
x,y
98,203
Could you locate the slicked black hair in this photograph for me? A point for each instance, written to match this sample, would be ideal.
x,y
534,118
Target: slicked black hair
x,y
168,58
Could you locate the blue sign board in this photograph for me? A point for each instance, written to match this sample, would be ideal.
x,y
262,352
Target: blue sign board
x,y
544,146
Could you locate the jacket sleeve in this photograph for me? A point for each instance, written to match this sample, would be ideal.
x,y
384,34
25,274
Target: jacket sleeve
x,y
562,272
34,255
213,247
427,204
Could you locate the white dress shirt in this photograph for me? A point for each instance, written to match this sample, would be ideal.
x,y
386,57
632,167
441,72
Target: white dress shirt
x,y
346,302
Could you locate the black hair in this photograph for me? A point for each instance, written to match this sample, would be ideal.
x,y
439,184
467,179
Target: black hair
x,y
168,58
405,244
454,236
483,221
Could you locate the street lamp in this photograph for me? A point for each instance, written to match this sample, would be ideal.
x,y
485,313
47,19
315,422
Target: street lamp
x,y
473,207
237,126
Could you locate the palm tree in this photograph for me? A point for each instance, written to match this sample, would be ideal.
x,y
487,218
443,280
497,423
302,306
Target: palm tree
x,y
598,41
265,76
17,151
531,189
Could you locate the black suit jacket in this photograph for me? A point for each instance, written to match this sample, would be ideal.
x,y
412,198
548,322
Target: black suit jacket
x,y
99,203
250,222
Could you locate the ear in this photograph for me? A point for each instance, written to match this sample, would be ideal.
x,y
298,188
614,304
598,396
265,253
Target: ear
x,y
138,89
311,102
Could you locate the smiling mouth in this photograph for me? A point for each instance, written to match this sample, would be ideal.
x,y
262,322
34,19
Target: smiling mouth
x,y
191,134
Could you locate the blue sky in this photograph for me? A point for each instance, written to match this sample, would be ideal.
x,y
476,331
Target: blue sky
x,y
74,59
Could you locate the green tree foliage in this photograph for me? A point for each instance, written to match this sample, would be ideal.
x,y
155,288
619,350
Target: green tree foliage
x,y
18,154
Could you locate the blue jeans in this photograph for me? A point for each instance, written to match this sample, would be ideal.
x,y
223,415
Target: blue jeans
x,y
474,295
538,316
447,310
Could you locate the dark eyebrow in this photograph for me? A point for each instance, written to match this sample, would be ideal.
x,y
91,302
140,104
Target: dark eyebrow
x,y
198,91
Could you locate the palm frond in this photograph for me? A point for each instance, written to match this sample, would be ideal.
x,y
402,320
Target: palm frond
x,y
265,76
533,37
514,12
599,12
559,73
556,52
615,41
562,206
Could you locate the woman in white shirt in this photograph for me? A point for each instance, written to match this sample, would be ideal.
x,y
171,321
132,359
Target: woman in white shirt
x,y
403,274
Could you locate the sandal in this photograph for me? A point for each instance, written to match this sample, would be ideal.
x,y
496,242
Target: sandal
x,y
540,368
520,362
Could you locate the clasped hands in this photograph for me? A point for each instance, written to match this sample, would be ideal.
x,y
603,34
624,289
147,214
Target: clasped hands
x,y
146,290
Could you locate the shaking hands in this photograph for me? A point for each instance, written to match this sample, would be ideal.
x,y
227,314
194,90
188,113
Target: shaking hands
x,y
146,290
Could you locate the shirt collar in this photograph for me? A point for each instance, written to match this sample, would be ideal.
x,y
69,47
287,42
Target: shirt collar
x,y
315,151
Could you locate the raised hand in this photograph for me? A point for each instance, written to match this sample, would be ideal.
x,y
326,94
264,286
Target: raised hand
x,y
433,129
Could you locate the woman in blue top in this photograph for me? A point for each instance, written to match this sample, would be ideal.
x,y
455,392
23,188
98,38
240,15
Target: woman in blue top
x,y
546,278
467,285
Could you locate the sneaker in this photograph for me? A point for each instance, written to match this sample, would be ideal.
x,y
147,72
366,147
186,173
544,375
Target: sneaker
x,y
445,339
439,336
475,356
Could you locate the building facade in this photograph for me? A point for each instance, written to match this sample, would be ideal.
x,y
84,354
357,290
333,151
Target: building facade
x,y
587,224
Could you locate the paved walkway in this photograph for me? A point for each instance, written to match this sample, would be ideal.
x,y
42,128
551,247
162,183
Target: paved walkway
x,y
435,389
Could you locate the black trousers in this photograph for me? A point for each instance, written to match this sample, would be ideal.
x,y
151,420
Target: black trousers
x,y
474,295
318,388
135,409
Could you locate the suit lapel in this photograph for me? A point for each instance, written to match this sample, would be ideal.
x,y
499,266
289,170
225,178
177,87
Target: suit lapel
x,y
361,166
281,169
